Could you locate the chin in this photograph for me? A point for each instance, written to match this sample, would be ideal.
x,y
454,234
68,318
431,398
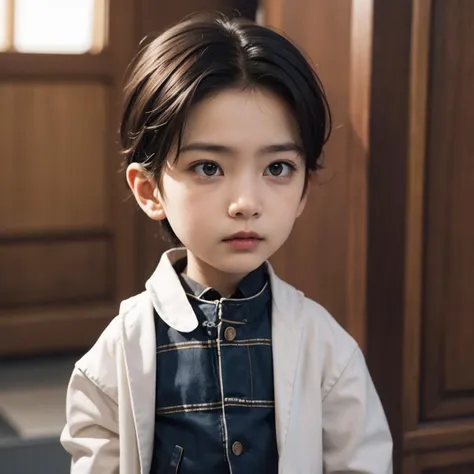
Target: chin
x,y
241,263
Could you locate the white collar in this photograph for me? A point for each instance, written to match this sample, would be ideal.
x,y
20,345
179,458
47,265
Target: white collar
x,y
171,302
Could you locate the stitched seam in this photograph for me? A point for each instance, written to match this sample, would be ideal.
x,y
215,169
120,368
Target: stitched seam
x,y
187,410
96,384
230,299
221,383
233,322
249,344
189,405
245,342
195,346
214,302
204,291
248,406
353,354
179,344
241,400
229,402
251,374
210,344
186,343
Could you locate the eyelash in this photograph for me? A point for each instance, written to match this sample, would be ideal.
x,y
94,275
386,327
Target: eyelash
x,y
292,168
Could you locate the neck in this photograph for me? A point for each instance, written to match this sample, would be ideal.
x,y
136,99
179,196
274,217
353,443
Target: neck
x,y
201,272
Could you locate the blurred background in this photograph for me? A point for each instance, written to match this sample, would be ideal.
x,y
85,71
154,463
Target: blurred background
x,y
386,244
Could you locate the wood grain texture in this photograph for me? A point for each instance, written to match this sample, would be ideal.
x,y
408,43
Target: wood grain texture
x,y
53,156
441,462
448,384
420,54
51,271
420,245
60,190
31,331
318,257
387,191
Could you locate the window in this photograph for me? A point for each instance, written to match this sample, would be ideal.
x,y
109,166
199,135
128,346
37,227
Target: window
x,y
53,26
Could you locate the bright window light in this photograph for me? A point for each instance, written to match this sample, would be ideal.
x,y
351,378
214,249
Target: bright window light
x,y
3,24
53,26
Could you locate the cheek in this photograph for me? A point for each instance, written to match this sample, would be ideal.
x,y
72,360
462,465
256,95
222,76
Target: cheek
x,y
286,199
184,208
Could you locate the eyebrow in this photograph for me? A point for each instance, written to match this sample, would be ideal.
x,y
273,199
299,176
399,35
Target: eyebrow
x,y
225,150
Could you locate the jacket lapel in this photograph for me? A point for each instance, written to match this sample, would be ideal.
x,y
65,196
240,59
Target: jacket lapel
x,y
286,336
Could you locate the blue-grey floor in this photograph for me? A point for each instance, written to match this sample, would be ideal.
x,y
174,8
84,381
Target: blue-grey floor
x,y
35,456
32,413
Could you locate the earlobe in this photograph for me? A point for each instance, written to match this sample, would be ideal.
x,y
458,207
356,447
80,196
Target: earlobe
x,y
146,192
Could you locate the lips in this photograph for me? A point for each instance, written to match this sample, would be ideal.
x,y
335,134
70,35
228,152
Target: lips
x,y
243,241
244,236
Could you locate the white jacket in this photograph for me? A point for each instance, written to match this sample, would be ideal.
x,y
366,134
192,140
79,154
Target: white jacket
x,y
328,416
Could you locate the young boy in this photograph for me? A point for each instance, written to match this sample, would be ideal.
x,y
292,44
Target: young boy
x,y
219,366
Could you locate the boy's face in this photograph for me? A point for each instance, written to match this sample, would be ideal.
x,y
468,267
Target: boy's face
x,y
239,171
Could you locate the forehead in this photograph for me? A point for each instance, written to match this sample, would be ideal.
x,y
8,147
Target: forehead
x,y
241,118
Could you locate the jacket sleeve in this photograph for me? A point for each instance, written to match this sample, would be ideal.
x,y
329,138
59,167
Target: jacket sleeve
x,y
356,436
91,431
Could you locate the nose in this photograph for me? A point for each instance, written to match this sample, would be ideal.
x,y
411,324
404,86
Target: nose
x,y
246,206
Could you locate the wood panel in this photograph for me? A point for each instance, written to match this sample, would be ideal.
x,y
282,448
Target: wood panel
x,y
67,230
421,235
438,436
44,66
52,329
442,462
325,255
459,469
419,72
387,207
449,239
55,271
53,156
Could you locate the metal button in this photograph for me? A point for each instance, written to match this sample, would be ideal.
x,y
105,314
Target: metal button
x,y
230,333
237,448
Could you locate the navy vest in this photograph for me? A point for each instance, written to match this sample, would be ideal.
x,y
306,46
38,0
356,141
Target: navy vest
x,y
214,386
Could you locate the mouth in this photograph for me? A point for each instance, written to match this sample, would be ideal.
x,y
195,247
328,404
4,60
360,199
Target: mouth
x,y
244,241
243,236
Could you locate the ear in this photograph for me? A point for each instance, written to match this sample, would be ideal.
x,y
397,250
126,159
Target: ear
x,y
146,192
304,198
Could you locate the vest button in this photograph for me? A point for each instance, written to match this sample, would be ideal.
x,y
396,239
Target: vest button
x,y
237,448
230,333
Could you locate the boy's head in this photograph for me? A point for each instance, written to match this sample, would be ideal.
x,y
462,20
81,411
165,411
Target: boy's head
x,y
224,123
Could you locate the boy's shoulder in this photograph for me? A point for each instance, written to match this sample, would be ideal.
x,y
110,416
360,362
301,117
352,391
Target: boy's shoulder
x,y
316,320
323,338
108,349
327,326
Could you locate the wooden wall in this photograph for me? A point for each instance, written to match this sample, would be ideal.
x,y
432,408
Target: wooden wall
x,y
66,243
326,254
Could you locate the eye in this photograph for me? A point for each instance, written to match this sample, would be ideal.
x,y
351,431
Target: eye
x,y
208,169
280,168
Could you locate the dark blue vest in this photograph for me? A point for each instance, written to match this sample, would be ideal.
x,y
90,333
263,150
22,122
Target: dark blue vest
x,y
214,399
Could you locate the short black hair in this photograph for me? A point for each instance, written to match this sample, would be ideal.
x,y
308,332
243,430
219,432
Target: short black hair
x,y
205,54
